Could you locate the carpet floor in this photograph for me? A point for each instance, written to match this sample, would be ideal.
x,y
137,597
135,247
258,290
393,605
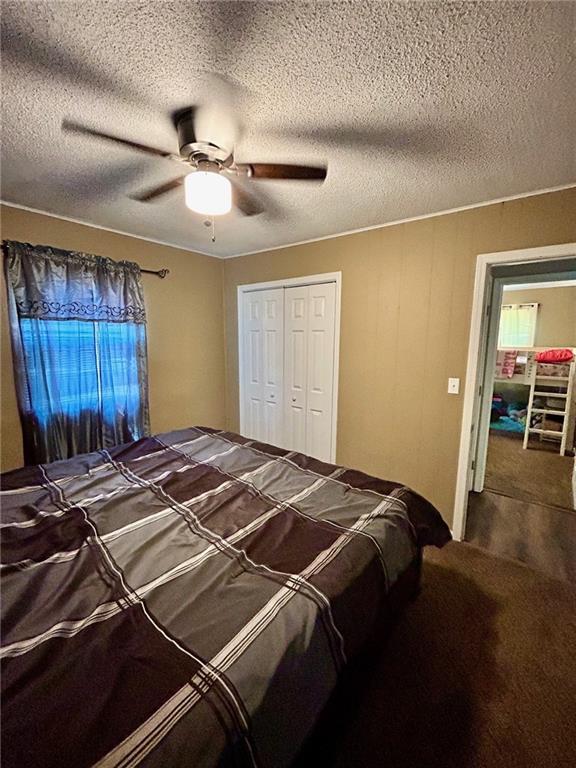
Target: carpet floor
x,y
542,536
480,672
537,474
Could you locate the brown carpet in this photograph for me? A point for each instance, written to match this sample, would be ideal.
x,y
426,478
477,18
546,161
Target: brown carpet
x,y
537,474
541,536
479,673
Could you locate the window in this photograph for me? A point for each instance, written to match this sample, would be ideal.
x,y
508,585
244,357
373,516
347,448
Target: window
x,y
89,367
78,329
518,325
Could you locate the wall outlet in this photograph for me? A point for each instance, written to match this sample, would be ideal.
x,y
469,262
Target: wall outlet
x,y
453,386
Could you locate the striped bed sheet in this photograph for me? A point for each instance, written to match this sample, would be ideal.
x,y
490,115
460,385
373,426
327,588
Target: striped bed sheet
x,y
190,599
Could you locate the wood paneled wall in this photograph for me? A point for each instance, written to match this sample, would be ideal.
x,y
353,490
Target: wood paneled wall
x,y
406,303
185,321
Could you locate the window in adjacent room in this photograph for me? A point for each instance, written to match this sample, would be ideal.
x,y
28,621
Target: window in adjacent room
x,y
518,325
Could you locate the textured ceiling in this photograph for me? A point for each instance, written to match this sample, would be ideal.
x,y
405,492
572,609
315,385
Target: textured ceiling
x,y
416,108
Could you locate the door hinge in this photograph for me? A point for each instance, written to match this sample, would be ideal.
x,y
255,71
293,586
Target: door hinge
x,y
473,465
480,390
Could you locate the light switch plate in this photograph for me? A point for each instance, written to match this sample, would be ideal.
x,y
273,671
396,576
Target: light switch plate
x,y
453,386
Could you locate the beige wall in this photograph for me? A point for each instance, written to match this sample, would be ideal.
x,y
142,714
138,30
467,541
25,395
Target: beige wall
x,y
406,302
185,325
556,324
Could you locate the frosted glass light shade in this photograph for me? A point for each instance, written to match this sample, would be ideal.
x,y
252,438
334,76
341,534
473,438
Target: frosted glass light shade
x,y
208,193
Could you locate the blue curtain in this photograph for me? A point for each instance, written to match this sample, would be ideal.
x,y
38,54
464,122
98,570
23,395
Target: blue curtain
x,y
78,329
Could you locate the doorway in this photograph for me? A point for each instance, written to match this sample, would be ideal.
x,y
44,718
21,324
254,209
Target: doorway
x,y
519,499
288,351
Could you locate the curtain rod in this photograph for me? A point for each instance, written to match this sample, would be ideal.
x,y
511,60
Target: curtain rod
x,y
160,272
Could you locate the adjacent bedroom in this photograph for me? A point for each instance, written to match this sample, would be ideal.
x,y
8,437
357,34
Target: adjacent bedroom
x,y
522,499
287,402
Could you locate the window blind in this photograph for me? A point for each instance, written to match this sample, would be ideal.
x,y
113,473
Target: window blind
x,y
518,325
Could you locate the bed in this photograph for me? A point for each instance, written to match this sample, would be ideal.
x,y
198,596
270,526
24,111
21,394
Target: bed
x,y
191,599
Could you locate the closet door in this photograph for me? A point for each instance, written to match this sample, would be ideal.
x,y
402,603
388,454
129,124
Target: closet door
x,y
263,343
320,369
309,313
295,366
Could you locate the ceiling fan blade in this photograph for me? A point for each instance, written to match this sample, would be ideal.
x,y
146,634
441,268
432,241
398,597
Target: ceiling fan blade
x,y
280,171
152,194
87,185
246,202
71,127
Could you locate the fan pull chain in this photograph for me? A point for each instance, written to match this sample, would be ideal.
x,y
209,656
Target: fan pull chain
x,y
211,223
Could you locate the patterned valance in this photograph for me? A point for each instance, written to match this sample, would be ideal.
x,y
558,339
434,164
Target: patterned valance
x,y
53,284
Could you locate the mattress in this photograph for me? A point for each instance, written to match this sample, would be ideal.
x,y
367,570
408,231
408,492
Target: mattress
x,y
190,599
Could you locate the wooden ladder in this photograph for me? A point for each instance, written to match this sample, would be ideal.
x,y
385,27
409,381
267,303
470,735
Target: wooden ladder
x,y
540,389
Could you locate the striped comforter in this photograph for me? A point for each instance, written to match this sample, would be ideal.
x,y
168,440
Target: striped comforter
x,y
189,599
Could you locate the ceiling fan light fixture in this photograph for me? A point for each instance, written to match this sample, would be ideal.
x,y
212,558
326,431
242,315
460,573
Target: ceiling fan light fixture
x,y
208,193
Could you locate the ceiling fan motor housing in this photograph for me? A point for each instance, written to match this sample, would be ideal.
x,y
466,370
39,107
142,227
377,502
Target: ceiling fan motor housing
x,y
195,150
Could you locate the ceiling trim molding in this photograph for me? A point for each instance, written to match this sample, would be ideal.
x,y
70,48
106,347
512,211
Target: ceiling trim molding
x,y
394,223
445,212
85,223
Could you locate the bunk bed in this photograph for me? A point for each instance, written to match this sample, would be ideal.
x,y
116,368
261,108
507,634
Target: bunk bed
x,y
549,394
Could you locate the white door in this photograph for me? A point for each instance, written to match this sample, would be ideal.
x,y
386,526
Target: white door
x,y
263,350
483,404
321,315
295,366
309,368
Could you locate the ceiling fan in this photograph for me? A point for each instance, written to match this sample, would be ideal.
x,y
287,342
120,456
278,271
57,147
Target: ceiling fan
x,y
213,181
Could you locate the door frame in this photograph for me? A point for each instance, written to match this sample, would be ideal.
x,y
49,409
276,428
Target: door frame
x,y
290,282
475,362
488,354
495,285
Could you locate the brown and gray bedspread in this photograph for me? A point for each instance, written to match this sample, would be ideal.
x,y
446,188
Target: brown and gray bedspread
x,y
189,599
